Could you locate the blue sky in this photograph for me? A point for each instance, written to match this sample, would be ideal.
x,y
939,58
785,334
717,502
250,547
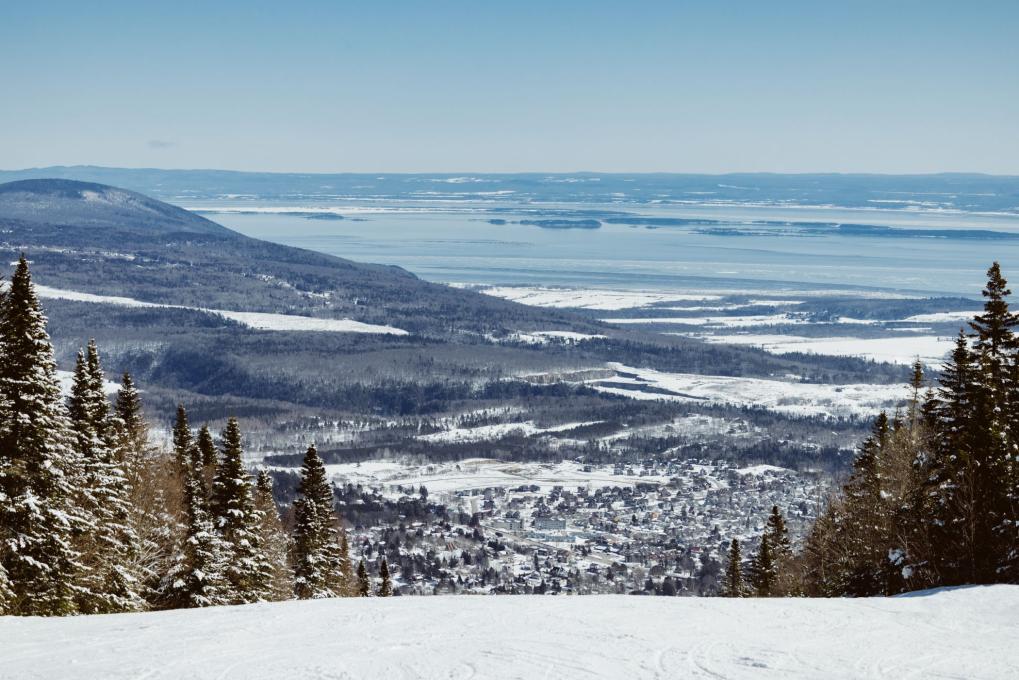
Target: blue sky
x,y
794,86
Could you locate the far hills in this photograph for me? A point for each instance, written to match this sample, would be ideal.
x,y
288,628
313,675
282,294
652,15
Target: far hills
x,y
100,239
461,350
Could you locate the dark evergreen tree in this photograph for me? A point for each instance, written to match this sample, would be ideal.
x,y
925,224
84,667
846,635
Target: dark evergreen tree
x,y
386,586
931,500
184,449
207,447
777,533
865,530
37,462
946,504
822,558
317,560
132,430
996,435
364,588
763,574
206,456
733,585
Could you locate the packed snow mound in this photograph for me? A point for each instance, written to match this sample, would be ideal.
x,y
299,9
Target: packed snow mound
x,y
961,633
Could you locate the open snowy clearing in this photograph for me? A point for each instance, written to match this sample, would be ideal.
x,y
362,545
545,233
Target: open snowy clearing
x,y
963,633
605,299
66,379
577,298
549,337
479,473
257,320
497,431
794,398
943,317
930,349
717,321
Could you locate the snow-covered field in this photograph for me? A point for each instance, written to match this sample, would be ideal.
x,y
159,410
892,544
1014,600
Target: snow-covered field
x,y
479,473
794,398
549,337
497,431
258,320
66,379
930,349
717,321
576,298
963,633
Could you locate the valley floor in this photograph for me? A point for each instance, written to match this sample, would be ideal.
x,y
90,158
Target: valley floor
x,y
961,633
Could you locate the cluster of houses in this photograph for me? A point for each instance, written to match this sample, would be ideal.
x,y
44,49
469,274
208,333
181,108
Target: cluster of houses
x,y
664,531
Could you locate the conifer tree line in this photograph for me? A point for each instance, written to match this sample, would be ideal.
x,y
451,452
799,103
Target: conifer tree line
x,y
94,519
933,496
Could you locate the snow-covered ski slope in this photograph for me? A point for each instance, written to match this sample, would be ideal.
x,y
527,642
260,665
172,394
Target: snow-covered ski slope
x,y
963,633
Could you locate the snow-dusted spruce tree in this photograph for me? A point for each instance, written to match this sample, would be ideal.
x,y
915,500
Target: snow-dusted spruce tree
x,y
131,430
733,585
234,517
108,548
995,347
386,585
788,576
6,592
364,587
207,456
945,502
865,531
156,491
932,499
346,584
37,516
777,533
309,563
763,573
274,576
196,578
318,559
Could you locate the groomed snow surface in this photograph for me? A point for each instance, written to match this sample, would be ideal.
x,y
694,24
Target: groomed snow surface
x,y
966,633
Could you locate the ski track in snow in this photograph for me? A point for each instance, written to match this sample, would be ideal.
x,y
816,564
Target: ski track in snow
x,y
961,633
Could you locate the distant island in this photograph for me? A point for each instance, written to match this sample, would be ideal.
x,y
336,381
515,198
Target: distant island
x,y
552,224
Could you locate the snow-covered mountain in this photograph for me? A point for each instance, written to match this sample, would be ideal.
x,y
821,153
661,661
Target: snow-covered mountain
x,y
96,206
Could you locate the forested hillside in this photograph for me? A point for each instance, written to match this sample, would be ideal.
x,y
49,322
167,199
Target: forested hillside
x,y
94,519
933,496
